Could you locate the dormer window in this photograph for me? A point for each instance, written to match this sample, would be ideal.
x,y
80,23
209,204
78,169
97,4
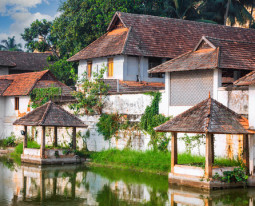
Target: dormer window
x,y
110,67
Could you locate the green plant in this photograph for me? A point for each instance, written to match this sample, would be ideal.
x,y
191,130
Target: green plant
x,y
30,144
40,96
150,119
193,141
10,141
237,175
91,94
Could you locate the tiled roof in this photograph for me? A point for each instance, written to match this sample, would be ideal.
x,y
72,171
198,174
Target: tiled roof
x,y
22,84
161,37
209,116
248,79
50,114
23,60
201,59
222,53
112,43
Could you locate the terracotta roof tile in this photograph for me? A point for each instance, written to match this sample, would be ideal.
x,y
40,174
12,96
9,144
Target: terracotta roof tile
x,y
160,37
23,60
248,79
50,114
22,84
207,116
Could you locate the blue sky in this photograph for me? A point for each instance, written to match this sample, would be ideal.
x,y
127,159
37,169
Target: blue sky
x,y
15,15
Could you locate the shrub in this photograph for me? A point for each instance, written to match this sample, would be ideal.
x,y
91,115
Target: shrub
x,y
10,141
30,144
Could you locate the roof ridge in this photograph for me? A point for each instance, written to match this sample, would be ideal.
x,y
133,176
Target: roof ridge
x,y
45,113
208,114
230,40
186,21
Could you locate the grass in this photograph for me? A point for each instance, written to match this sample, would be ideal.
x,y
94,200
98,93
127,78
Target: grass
x,y
151,161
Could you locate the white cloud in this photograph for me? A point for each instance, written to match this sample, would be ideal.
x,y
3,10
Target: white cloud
x,y
19,13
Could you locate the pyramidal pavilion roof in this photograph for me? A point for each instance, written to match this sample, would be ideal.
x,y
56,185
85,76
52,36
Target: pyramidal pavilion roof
x,y
209,116
50,114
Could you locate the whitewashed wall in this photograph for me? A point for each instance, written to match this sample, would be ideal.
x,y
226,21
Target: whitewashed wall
x,y
124,68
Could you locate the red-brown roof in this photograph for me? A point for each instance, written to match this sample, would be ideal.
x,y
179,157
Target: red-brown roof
x,y
248,79
218,53
22,84
160,36
24,61
209,116
50,114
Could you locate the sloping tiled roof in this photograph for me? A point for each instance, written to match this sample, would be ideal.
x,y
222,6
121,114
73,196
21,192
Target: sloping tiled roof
x,y
226,54
23,60
209,116
162,37
112,43
248,79
201,59
22,84
50,114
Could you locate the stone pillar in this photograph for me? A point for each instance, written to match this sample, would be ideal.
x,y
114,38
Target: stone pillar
x,y
174,153
251,117
55,136
246,151
208,156
251,154
25,139
74,138
42,152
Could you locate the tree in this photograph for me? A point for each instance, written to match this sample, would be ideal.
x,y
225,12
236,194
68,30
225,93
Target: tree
x,y
222,10
38,37
10,45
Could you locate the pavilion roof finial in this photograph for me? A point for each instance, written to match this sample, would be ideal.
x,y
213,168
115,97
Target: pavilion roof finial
x,y
209,95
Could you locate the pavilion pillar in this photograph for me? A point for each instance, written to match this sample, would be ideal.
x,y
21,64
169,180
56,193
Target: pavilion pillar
x,y
55,136
212,144
246,151
25,139
173,151
42,152
208,156
74,138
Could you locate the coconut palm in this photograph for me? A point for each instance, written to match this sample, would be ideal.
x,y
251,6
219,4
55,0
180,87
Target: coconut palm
x,y
10,45
222,10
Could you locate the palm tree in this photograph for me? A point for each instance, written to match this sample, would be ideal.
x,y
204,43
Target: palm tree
x,y
10,45
222,10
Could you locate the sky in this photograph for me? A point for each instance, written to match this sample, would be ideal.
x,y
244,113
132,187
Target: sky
x,y
15,15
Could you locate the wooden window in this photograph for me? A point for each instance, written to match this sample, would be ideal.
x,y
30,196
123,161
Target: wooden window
x,y
16,103
110,67
89,68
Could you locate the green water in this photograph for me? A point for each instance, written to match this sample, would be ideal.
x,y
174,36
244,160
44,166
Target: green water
x,y
79,185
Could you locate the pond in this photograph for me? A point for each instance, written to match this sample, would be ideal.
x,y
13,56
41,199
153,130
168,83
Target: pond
x,y
79,185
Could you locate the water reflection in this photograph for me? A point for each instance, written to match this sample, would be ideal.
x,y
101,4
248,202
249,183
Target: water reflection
x,y
79,185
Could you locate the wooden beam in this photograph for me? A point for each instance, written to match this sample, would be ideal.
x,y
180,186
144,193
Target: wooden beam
x,y
74,138
208,156
212,148
246,151
55,136
25,139
173,151
42,152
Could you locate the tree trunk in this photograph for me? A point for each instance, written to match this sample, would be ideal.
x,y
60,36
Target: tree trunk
x,y
226,14
251,21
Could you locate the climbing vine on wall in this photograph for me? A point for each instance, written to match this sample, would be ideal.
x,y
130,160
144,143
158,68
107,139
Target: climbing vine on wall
x,y
150,119
192,142
109,125
40,96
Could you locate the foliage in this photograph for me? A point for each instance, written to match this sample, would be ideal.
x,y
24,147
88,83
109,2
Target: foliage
x,y
65,71
237,175
40,96
10,45
10,141
193,141
39,29
84,138
151,118
91,94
